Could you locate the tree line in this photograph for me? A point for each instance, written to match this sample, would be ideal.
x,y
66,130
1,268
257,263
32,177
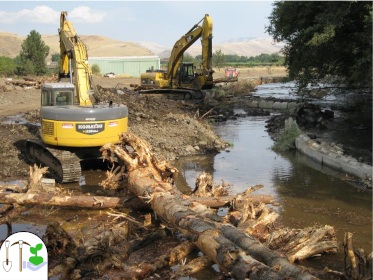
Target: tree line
x,y
220,60
325,39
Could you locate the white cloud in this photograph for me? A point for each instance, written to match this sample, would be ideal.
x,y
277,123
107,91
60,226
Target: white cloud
x,y
86,15
45,14
42,14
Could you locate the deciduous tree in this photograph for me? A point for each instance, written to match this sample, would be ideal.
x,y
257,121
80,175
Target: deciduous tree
x,y
325,39
218,59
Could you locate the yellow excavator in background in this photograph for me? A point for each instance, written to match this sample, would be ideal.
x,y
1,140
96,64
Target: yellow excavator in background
x,y
73,125
182,80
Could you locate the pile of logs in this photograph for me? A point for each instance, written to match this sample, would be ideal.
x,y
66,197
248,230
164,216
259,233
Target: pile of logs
x,y
234,241
226,80
36,82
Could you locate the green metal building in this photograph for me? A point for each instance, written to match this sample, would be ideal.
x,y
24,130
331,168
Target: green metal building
x,y
132,66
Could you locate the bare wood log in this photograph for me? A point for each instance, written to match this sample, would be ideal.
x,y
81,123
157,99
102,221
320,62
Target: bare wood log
x,y
83,201
353,269
300,244
258,227
205,187
145,269
5,209
221,201
30,79
193,266
12,188
99,244
21,83
171,209
225,80
358,264
60,246
240,201
258,251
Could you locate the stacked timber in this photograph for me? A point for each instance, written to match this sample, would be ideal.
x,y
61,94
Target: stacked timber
x,y
36,82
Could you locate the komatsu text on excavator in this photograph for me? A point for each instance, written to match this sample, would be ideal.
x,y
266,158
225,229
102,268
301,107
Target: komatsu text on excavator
x,y
73,122
182,80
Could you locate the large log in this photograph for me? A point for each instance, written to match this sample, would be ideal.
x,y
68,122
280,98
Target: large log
x,y
21,83
143,270
225,80
82,201
358,264
221,201
151,183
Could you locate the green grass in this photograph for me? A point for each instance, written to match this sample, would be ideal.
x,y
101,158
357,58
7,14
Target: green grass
x,y
287,139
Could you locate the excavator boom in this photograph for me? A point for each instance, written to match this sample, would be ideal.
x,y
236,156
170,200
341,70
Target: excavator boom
x,y
183,78
196,32
73,50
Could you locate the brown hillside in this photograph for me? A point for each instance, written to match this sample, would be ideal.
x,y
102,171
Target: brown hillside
x,y
248,47
98,46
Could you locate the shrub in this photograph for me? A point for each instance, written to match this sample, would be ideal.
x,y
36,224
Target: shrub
x,y
287,139
7,66
96,69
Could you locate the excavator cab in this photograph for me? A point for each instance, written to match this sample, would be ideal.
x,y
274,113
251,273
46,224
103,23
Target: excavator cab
x,y
186,73
57,94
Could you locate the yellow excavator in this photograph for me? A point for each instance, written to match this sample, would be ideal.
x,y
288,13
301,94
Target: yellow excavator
x,y
73,123
182,80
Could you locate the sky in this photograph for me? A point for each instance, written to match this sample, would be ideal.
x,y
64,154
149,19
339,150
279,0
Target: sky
x,y
160,22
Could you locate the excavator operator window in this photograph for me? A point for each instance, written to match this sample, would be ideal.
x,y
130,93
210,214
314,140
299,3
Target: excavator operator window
x,y
188,73
64,98
46,98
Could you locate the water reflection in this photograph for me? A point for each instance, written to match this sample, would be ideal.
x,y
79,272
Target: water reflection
x,y
250,161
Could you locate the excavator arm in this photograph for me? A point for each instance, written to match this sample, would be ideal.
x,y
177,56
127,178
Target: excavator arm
x,y
73,50
196,32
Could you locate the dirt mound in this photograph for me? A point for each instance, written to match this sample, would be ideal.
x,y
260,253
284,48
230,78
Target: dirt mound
x,y
169,126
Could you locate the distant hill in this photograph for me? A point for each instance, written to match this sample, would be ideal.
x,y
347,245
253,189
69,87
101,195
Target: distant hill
x,y
98,46
247,46
10,44
238,40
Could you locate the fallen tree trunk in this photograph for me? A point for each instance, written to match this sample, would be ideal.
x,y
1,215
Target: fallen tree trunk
x,y
358,264
149,180
83,201
103,202
145,269
221,201
21,83
193,266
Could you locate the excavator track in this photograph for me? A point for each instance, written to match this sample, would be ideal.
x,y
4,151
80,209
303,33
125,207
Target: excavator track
x,y
63,165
